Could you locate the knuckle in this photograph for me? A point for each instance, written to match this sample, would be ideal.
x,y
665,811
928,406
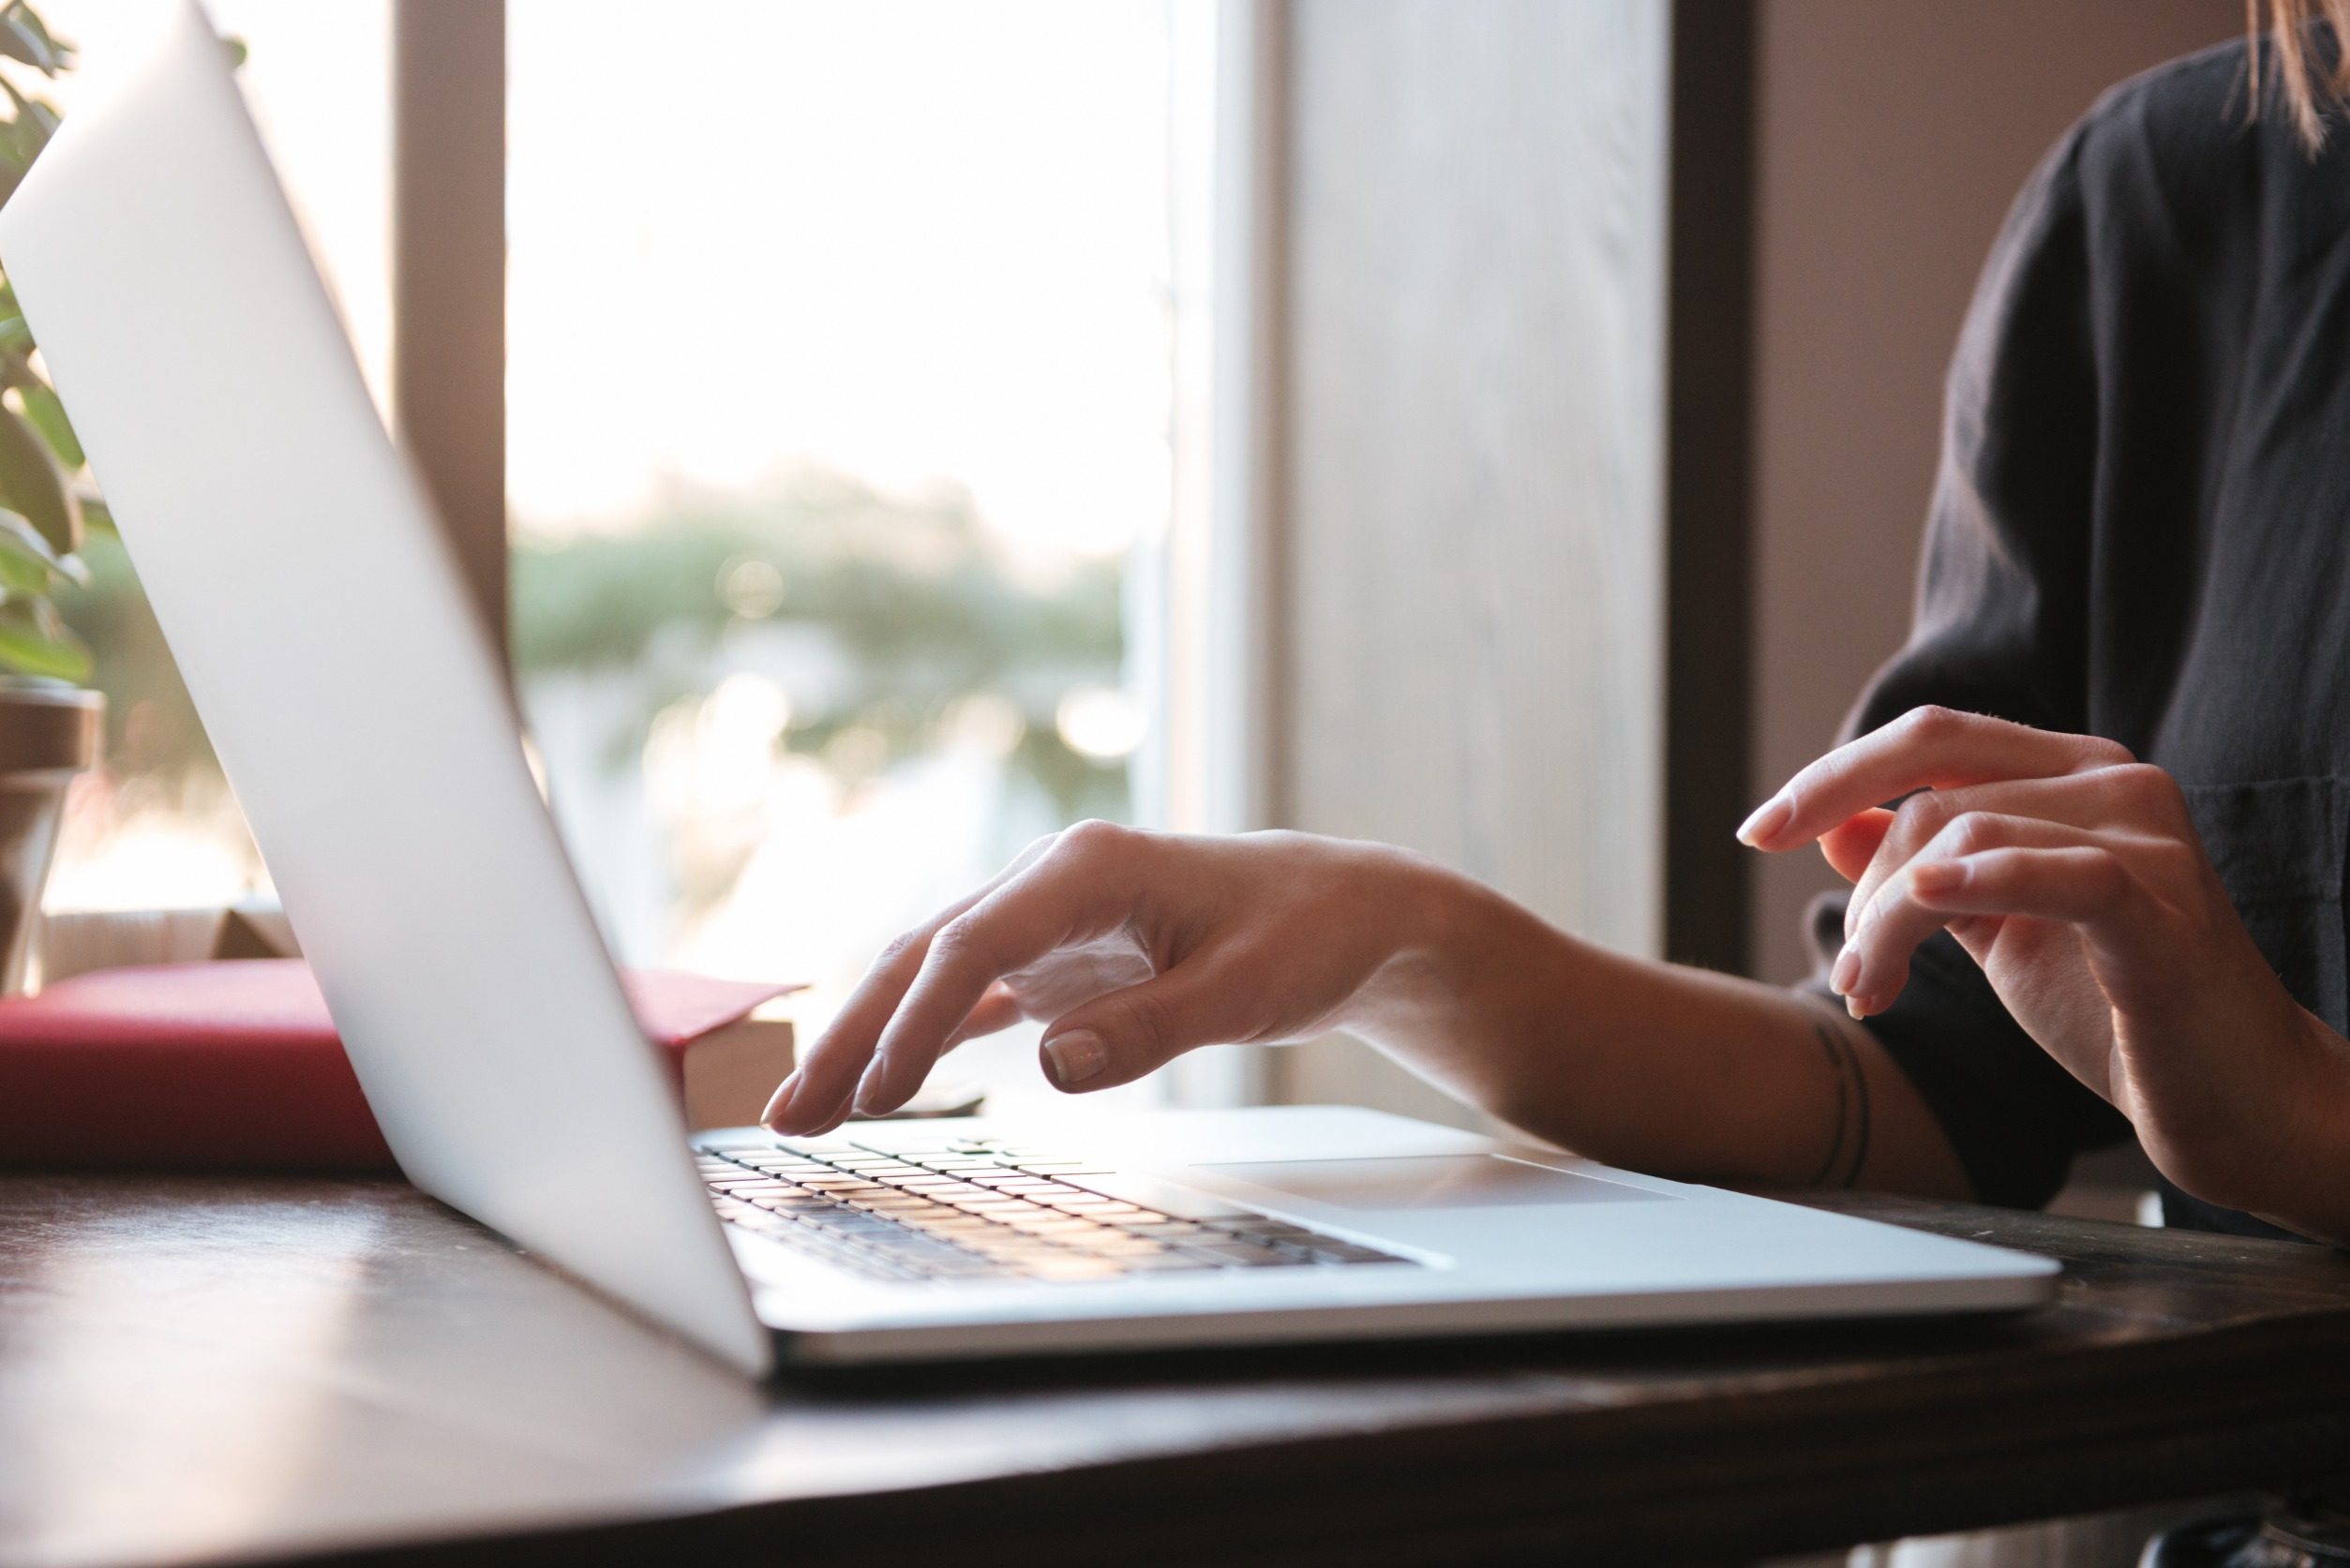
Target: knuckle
x,y
1091,837
1970,832
2106,753
2148,787
2179,862
898,949
1920,817
957,941
1933,722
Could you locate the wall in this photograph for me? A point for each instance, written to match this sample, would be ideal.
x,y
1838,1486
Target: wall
x,y
1891,136
1470,653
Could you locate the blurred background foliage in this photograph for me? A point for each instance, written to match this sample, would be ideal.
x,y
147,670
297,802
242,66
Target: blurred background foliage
x,y
882,618
44,492
878,630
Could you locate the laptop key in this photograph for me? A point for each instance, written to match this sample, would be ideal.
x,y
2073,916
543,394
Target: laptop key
x,y
1326,1251
987,1210
1236,1254
1072,1268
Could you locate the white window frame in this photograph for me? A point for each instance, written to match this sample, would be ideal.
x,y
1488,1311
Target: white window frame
x,y
1203,593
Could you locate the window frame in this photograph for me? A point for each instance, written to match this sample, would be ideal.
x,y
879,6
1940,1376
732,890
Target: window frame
x,y
448,93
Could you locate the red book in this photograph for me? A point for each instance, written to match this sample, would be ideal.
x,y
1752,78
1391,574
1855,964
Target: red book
x,y
236,1066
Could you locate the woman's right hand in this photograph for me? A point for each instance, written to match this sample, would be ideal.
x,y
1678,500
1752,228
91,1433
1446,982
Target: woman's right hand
x,y
1135,947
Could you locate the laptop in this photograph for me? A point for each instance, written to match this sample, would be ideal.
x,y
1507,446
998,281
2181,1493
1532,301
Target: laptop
x,y
356,702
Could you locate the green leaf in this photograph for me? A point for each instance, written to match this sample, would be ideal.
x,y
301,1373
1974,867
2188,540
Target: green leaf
x,y
24,38
21,141
61,48
24,542
28,567
40,117
30,483
34,641
95,514
44,408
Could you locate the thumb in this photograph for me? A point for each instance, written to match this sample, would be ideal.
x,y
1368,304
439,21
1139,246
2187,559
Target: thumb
x,y
1122,1035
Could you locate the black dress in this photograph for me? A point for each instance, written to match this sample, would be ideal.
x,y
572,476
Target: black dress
x,y
2141,530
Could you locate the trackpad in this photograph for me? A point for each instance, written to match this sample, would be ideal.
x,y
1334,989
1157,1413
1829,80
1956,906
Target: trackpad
x,y
1427,1182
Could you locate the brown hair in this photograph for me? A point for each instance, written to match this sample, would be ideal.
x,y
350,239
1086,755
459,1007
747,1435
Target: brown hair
x,y
2310,84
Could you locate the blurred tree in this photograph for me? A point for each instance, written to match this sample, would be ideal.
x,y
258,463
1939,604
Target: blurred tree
x,y
920,607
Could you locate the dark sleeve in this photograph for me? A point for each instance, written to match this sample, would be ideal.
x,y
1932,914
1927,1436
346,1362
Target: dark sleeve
x,y
2001,629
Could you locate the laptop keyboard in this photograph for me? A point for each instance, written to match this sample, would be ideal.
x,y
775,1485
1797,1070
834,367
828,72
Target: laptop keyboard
x,y
973,1210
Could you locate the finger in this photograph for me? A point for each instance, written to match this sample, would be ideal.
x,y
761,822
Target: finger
x,y
2100,893
2092,886
830,1118
1926,748
1119,1037
1082,888
1851,845
1884,927
1875,964
2102,799
827,1073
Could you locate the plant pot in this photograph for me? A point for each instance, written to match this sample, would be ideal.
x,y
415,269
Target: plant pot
x,y
48,734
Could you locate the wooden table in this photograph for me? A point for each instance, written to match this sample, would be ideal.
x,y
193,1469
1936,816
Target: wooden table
x,y
236,1370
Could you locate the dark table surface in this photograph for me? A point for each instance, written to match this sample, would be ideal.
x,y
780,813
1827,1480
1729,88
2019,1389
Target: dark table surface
x,y
197,1370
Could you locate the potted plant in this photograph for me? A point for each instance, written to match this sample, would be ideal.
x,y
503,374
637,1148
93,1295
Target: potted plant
x,y
50,723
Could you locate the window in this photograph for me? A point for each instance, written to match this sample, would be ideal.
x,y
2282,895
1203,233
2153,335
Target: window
x,y
841,374
839,386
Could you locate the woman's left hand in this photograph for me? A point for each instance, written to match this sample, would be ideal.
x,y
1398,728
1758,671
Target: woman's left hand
x,y
2073,875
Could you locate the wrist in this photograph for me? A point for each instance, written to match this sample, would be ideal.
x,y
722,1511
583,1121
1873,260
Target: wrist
x,y
2283,1163
1419,919
1459,954
2314,1136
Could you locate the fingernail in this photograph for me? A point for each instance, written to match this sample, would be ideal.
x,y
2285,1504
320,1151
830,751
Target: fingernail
x,y
1075,1056
1848,969
1768,819
779,1105
1852,1004
868,1100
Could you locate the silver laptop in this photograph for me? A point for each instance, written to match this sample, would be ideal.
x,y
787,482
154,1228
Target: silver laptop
x,y
356,703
